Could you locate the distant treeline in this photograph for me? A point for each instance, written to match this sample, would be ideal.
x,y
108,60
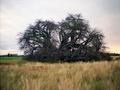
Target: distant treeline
x,y
11,55
114,54
16,55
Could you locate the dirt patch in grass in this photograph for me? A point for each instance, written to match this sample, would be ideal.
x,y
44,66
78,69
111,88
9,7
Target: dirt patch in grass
x,y
14,66
7,63
32,69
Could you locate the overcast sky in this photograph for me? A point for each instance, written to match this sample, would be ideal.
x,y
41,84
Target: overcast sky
x,y
16,15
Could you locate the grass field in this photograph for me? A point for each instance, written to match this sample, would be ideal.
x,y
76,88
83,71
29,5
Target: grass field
x,y
60,76
10,59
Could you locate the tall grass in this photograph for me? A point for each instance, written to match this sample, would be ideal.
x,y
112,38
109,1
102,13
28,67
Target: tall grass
x,y
61,76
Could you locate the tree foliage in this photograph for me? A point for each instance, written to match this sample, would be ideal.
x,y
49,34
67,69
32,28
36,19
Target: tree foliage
x,y
70,39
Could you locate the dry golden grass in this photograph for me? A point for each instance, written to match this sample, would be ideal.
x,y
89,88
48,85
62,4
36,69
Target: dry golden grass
x,y
61,76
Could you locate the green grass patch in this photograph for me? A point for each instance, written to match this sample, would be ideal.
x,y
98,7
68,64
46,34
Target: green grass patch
x,y
11,59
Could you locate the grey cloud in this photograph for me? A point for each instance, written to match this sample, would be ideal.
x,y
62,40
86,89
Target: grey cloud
x,y
111,6
104,14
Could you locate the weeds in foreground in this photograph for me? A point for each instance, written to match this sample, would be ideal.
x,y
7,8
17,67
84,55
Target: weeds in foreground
x,y
66,76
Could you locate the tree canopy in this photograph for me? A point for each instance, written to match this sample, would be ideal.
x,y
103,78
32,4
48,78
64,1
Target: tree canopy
x,y
70,39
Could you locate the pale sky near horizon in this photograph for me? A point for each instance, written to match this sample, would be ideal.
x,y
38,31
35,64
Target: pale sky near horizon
x,y
16,15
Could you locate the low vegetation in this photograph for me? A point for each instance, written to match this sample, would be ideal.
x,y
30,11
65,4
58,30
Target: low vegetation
x,y
6,59
104,75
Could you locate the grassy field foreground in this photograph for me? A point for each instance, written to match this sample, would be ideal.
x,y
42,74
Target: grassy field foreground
x,y
61,76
